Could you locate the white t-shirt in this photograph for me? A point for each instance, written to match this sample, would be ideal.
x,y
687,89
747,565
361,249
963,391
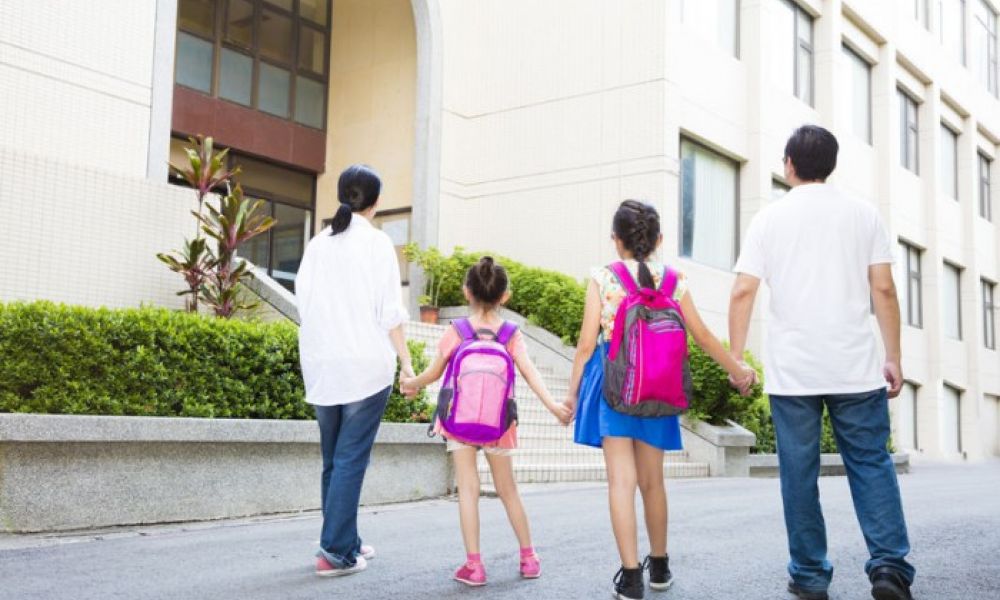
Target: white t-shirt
x,y
813,248
349,297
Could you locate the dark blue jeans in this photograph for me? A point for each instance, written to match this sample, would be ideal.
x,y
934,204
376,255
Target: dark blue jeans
x,y
346,434
861,427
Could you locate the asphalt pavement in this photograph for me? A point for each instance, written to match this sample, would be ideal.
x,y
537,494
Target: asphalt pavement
x,y
727,541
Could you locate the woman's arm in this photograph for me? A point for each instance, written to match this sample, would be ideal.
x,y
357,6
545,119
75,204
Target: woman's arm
x,y
587,343
398,338
742,375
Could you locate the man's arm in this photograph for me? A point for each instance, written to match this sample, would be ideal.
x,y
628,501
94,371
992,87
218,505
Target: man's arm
x,y
887,314
741,303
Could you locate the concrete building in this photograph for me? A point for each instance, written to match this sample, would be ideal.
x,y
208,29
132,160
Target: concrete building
x,y
517,126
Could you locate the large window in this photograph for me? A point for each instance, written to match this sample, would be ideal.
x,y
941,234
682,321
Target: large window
x,y
951,301
948,175
269,55
396,224
951,420
716,20
859,94
951,23
904,421
708,206
794,50
289,197
909,133
914,284
984,44
985,188
989,314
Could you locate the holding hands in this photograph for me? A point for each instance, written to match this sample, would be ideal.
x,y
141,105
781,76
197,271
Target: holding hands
x,y
744,379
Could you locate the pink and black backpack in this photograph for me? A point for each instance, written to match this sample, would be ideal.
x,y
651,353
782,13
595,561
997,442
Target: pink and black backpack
x,y
646,371
476,403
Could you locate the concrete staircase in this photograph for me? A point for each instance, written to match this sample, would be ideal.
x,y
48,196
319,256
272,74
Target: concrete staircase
x,y
546,451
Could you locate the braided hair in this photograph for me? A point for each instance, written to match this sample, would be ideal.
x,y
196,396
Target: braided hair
x,y
486,282
357,189
637,225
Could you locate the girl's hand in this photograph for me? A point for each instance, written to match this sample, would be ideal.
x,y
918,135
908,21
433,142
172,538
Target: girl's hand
x,y
744,380
561,412
408,386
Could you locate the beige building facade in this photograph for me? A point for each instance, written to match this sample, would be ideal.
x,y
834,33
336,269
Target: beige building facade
x,y
516,126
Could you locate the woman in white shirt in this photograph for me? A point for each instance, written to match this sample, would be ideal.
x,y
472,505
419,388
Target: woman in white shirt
x,y
351,310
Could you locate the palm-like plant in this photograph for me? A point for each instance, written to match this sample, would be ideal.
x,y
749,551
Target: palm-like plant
x,y
237,220
205,171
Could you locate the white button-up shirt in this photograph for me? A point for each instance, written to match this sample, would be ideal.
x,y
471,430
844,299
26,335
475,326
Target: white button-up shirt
x,y
349,297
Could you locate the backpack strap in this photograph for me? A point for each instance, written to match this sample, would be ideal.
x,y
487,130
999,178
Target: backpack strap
x,y
506,332
465,330
624,277
668,285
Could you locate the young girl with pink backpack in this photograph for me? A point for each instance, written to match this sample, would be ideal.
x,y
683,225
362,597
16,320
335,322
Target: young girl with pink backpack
x,y
631,380
476,410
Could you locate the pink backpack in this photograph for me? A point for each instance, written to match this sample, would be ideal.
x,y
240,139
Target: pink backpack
x,y
476,403
646,371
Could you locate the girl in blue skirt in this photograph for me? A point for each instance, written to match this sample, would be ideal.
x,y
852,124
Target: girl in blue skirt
x,y
633,446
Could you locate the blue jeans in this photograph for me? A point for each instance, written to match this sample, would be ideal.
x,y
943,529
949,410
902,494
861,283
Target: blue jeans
x,y
861,428
346,436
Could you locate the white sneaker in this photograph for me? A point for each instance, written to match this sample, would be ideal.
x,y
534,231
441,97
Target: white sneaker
x,y
325,569
367,552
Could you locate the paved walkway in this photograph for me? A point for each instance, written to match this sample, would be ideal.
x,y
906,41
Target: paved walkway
x,y
727,542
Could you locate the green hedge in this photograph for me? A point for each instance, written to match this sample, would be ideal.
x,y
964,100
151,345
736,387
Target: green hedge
x,y
155,362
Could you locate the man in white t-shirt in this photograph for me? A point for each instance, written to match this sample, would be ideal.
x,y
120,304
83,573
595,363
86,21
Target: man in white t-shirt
x,y
827,258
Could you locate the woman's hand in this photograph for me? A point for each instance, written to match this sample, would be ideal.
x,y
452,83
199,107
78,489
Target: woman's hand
x,y
408,385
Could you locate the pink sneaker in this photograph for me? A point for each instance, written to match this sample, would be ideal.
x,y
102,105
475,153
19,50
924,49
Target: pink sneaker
x,y
325,568
531,568
471,573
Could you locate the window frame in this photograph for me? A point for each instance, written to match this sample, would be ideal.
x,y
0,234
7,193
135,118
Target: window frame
x,y
298,22
989,313
923,18
680,203
809,47
958,301
909,107
853,55
404,273
985,187
946,130
964,33
990,27
913,275
738,7
959,393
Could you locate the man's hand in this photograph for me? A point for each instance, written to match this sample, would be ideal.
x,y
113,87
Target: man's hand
x,y
408,386
894,377
745,381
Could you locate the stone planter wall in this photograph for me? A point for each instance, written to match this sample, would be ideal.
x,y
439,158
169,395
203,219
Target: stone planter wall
x,y
724,448
766,465
72,472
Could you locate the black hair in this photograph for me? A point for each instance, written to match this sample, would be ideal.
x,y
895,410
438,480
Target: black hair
x,y
357,189
486,281
637,225
813,152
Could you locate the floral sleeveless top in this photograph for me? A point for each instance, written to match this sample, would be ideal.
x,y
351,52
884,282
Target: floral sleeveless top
x,y
612,292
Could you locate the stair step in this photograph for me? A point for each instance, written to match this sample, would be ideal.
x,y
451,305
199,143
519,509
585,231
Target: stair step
x,y
589,472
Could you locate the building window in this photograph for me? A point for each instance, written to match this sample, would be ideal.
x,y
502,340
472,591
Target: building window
x,y
795,36
909,133
269,55
914,285
904,430
951,22
949,163
951,420
984,187
989,314
984,44
396,224
717,20
951,291
778,189
860,94
708,206
921,12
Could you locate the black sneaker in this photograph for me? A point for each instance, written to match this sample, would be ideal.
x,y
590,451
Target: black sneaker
x,y
629,584
803,594
660,578
888,584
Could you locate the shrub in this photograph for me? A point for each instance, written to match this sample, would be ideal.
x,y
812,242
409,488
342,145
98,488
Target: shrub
x,y
154,362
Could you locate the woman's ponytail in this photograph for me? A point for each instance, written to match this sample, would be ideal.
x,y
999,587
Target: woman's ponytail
x,y
341,220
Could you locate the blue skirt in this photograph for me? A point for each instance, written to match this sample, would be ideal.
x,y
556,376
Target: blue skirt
x,y
595,419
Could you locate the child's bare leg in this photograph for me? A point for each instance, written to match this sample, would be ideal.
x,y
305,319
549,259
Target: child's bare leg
x,y
649,467
619,458
467,478
502,468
